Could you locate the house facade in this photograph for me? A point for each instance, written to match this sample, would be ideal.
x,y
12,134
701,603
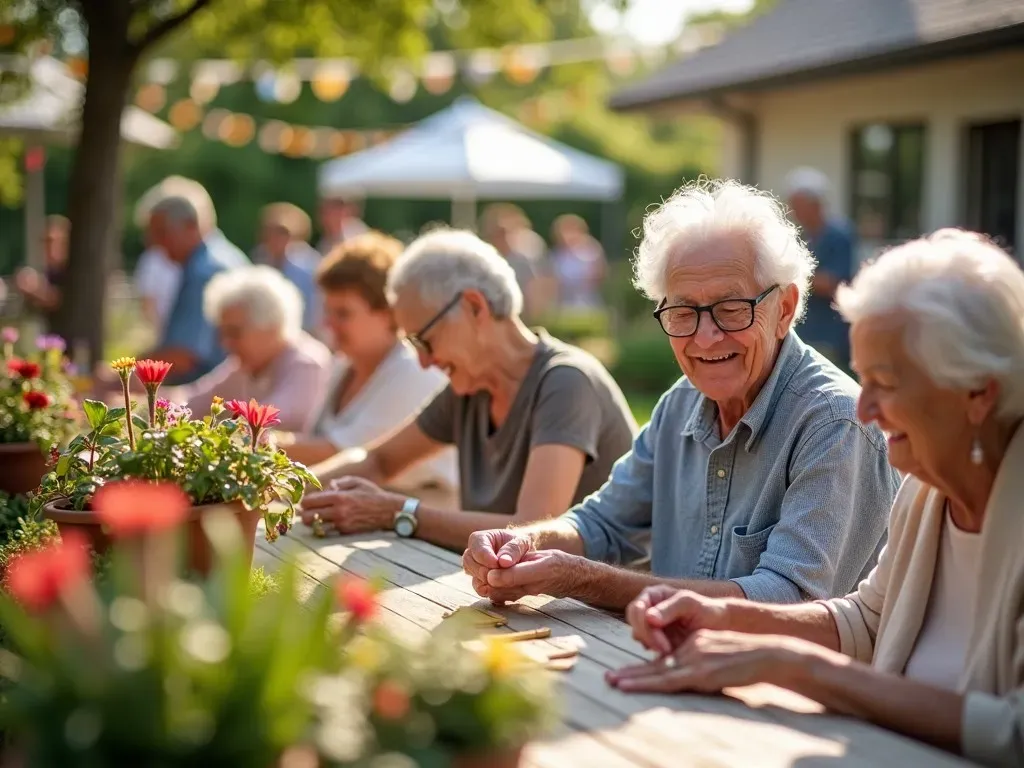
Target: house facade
x,y
917,128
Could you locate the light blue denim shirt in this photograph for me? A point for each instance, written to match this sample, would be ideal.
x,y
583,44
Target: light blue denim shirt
x,y
791,505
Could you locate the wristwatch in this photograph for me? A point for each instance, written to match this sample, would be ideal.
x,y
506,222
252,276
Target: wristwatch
x,y
405,520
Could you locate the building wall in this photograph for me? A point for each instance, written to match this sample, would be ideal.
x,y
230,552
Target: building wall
x,y
811,124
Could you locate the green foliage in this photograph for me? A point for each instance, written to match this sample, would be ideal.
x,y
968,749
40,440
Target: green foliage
x,y
210,674
214,460
645,362
12,509
29,535
450,697
36,398
262,583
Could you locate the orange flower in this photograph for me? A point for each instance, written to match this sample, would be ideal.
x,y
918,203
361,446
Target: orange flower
x,y
152,372
133,507
37,579
358,597
391,701
258,416
36,400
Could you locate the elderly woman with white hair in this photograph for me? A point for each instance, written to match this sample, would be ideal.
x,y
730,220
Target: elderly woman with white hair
x,y
754,478
931,643
258,316
537,423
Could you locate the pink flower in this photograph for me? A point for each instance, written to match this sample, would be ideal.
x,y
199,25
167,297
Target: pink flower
x,y
152,372
50,341
134,507
258,416
37,579
9,335
357,597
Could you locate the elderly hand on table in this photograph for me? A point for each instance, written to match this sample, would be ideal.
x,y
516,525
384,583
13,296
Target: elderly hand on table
x,y
505,566
352,505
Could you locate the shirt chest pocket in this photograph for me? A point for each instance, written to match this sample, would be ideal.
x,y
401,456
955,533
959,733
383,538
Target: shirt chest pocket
x,y
747,547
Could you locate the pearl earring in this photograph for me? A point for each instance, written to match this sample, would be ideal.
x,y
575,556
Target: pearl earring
x,y
977,454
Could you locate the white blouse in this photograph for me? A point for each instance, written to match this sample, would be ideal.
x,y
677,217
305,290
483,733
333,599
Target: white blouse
x,y
395,393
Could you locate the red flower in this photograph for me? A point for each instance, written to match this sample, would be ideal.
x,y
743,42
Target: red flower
x,y
37,579
152,372
36,400
24,368
133,507
258,416
391,701
357,596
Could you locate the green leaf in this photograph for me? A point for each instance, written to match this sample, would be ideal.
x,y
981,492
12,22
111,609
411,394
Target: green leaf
x,y
63,464
179,435
140,422
95,412
111,429
116,413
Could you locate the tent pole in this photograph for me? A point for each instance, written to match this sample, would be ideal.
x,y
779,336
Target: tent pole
x,y
35,212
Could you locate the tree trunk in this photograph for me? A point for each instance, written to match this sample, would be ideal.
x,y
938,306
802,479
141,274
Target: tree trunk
x,y
92,197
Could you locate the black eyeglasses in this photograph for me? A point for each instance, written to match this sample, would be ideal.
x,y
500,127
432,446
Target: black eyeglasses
x,y
417,340
681,320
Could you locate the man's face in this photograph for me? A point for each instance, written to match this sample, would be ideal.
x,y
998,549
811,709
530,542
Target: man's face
x,y
806,209
727,365
55,248
276,240
177,241
332,217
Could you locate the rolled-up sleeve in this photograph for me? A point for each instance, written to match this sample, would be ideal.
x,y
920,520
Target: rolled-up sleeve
x,y
615,521
832,521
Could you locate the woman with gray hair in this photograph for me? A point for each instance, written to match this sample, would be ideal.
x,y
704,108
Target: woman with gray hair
x,y
537,423
936,630
258,316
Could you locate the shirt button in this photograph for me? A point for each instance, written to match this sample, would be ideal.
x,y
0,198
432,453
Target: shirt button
x,y
714,529
721,473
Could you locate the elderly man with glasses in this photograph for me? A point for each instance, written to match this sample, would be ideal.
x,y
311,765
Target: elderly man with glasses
x,y
537,423
754,477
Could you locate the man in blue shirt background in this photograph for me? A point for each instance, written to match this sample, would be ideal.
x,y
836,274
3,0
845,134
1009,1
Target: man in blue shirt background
x,y
833,244
189,342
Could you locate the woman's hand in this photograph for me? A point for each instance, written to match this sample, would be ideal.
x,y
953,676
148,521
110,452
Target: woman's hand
x,y
712,660
352,505
664,617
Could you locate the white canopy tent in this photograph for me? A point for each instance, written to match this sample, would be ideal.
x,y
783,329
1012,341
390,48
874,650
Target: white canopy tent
x,y
468,152
49,113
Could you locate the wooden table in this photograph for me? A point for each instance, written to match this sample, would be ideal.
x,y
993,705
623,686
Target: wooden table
x,y
760,726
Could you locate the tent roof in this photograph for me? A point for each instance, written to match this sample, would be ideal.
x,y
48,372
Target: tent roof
x,y
49,111
468,151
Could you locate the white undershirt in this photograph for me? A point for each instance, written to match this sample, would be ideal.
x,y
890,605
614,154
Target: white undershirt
x,y
941,648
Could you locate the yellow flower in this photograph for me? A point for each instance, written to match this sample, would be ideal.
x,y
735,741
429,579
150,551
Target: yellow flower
x,y
124,366
501,659
365,654
218,400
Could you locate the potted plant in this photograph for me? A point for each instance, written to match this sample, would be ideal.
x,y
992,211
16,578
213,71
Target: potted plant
x,y
154,670
445,702
220,460
149,669
36,409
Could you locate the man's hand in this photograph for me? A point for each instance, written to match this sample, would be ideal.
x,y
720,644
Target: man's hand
x,y
352,505
490,550
539,572
664,617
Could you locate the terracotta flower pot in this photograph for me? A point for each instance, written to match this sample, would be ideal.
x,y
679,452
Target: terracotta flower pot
x,y
509,758
22,466
199,552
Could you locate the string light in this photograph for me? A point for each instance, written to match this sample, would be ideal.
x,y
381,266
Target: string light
x,y
185,115
151,97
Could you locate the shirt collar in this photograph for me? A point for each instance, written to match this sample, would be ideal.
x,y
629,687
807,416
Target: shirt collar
x,y
701,423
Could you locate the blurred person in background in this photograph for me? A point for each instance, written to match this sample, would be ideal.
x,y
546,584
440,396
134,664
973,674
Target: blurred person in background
x,y
157,277
284,230
188,341
258,316
42,291
578,263
506,228
833,245
537,423
377,383
339,220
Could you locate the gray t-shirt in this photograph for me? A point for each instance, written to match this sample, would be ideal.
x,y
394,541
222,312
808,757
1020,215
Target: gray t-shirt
x,y
566,398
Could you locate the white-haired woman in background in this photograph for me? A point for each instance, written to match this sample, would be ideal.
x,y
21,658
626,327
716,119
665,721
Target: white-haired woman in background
x,y
936,630
754,478
258,316
537,423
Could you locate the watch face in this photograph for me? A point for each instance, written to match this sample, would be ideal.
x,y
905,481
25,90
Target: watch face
x,y
404,527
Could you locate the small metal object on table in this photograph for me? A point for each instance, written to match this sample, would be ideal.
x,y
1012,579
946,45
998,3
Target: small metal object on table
x,y
760,726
